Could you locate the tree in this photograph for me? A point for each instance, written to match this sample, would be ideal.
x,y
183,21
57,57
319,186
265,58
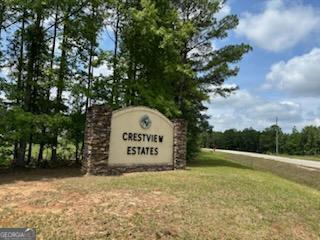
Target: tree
x,y
310,140
249,140
203,68
172,65
162,58
267,139
293,143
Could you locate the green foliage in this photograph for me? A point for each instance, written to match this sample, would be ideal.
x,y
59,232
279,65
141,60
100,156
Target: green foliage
x,y
163,57
267,139
305,142
310,140
171,63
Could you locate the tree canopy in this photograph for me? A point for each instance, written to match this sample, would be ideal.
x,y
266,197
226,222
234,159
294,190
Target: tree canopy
x,y
163,57
304,142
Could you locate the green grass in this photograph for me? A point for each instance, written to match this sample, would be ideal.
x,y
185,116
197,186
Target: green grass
x,y
65,151
306,176
306,157
212,199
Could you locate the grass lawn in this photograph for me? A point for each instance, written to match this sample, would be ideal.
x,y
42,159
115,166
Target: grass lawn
x,y
313,158
299,174
212,199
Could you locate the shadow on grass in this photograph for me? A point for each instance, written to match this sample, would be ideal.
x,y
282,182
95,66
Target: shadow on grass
x,y
210,160
11,176
26,175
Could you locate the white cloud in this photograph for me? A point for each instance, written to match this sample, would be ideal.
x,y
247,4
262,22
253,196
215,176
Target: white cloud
x,y
4,72
243,110
268,110
238,99
224,11
300,76
102,70
316,122
280,26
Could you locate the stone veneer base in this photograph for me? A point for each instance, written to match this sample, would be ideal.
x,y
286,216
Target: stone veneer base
x,y
97,140
118,170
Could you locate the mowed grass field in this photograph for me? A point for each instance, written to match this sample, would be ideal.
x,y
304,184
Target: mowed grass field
x,y
305,157
213,199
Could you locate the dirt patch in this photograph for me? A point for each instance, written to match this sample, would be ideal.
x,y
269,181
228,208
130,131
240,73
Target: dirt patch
x,y
27,196
301,231
92,212
126,204
78,206
26,189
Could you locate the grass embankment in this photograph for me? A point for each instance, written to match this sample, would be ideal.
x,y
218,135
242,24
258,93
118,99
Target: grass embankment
x,y
304,175
305,157
213,199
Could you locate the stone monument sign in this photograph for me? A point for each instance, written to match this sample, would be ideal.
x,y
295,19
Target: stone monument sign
x,y
140,135
132,139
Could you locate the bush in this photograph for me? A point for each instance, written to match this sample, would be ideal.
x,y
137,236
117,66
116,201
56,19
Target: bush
x,y
5,158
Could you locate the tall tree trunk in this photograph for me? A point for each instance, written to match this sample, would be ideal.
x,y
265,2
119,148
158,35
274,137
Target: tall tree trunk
x,y
2,16
88,100
15,150
184,60
21,63
114,91
33,73
88,87
21,152
43,131
20,148
92,40
77,153
60,88
41,148
33,56
32,76
54,147
29,150
132,76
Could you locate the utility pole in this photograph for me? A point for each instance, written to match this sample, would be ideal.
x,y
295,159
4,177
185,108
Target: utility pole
x,y
277,137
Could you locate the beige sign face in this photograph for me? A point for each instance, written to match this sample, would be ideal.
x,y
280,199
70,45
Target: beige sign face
x,y
140,136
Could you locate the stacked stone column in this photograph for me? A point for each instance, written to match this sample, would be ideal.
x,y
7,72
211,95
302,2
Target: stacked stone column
x,y
97,139
179,143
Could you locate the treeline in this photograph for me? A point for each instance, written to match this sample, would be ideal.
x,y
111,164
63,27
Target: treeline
x,y
162,57
304,142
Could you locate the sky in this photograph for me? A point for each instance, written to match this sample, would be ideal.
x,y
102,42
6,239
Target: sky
x,y
280,78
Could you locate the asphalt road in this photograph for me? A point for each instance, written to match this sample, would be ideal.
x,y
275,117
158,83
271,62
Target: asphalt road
x,y
299,162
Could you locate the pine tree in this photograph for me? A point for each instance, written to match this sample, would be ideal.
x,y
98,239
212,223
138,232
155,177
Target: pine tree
x,y
203,68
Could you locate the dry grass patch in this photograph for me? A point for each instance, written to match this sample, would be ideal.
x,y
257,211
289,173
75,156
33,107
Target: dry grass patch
x,y
213,199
